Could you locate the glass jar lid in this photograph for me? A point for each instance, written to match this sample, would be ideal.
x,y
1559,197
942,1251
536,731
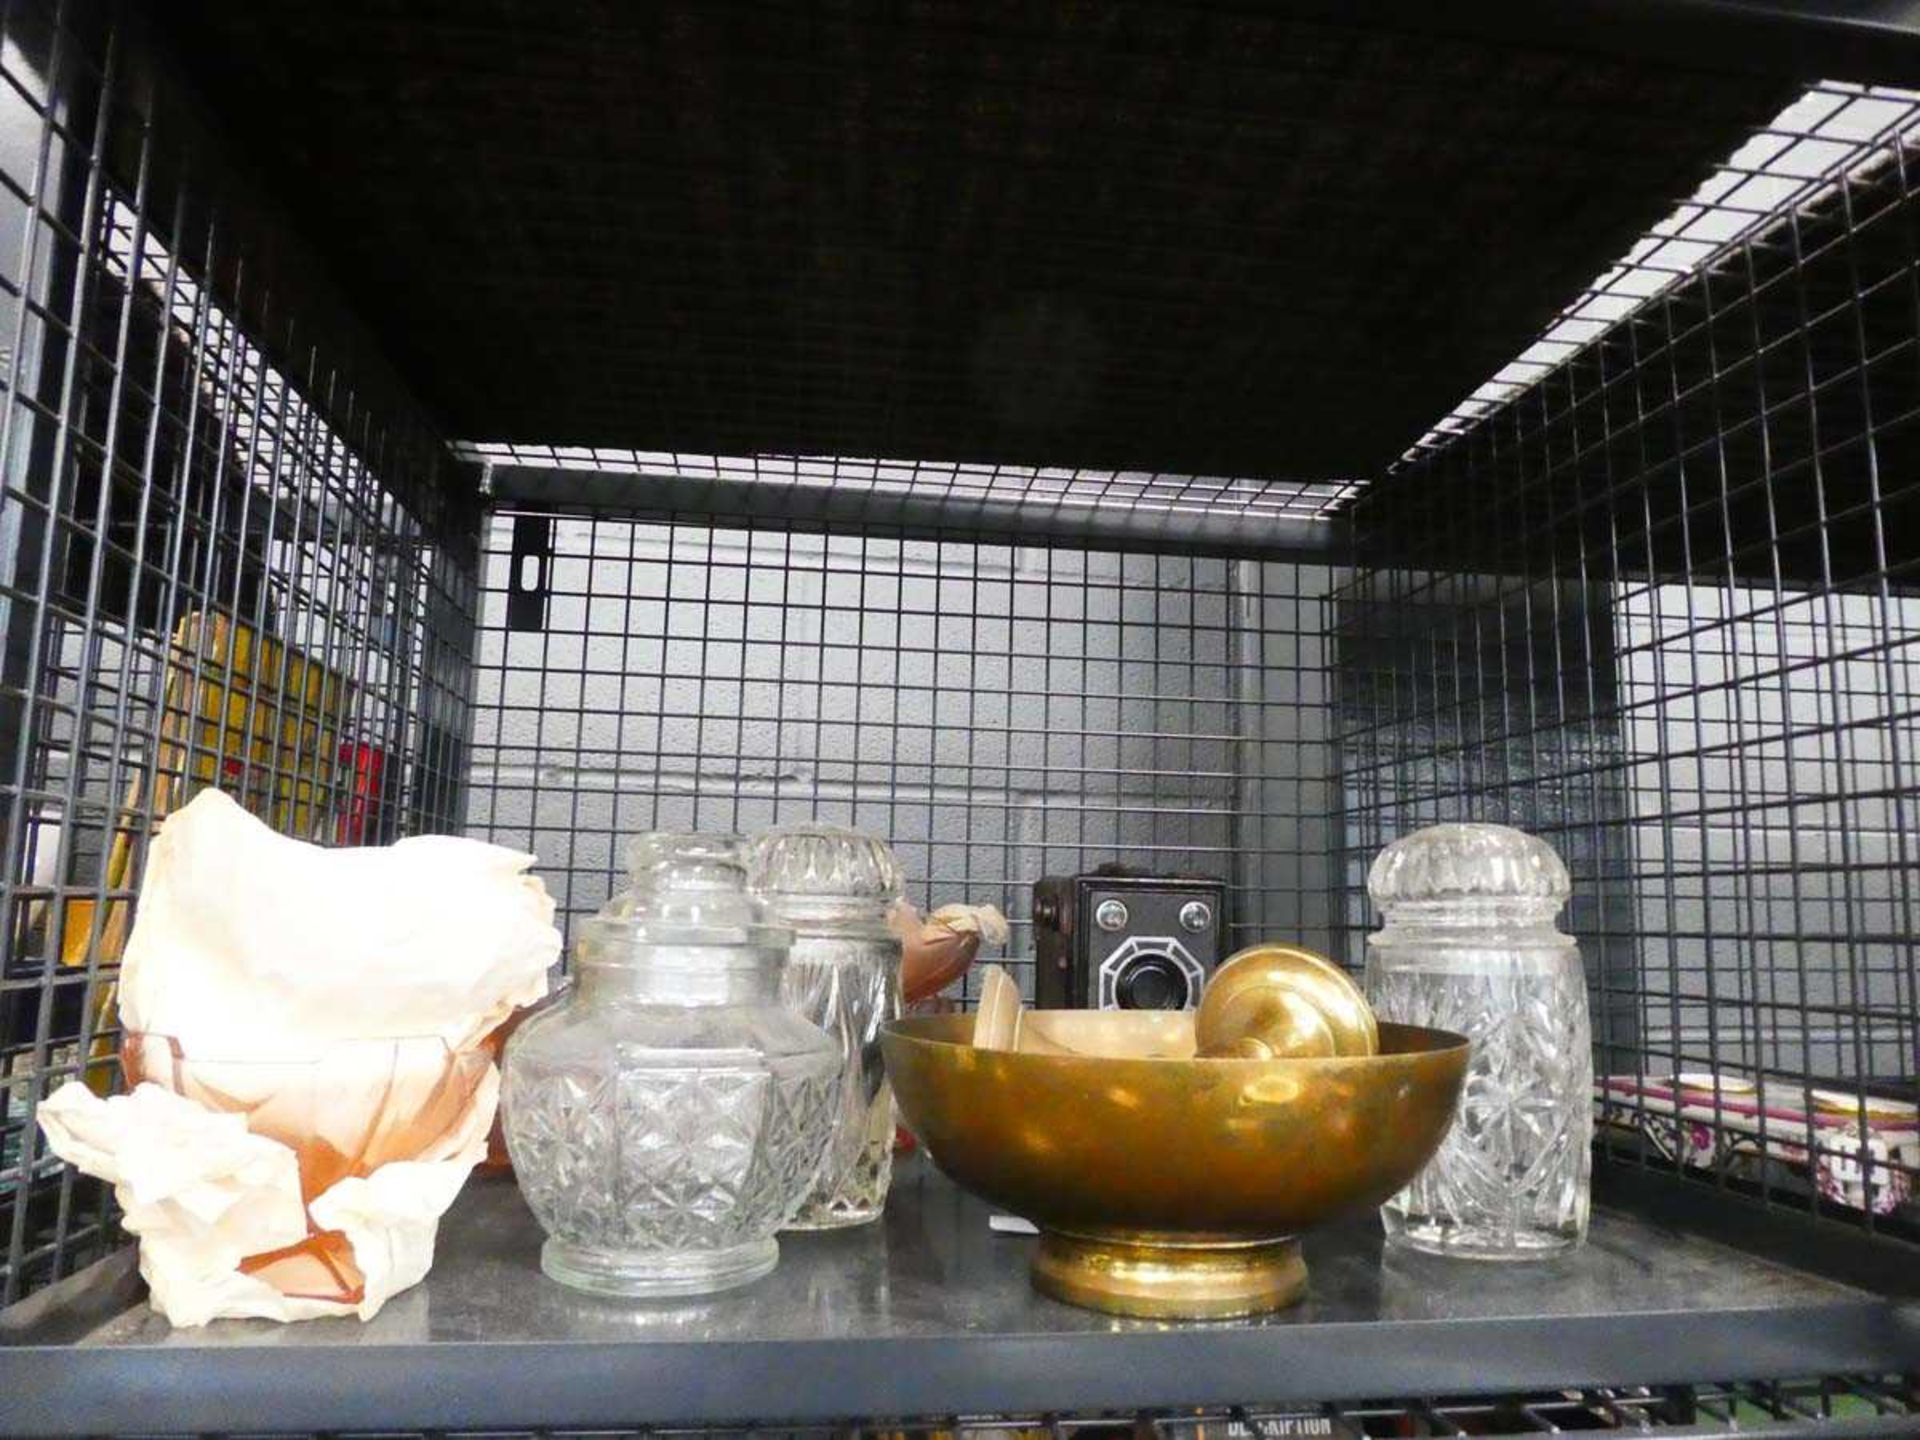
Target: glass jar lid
x,y
817,871
688,889
1443,864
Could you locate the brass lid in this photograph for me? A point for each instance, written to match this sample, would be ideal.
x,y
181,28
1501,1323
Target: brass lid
x,y
1282,1002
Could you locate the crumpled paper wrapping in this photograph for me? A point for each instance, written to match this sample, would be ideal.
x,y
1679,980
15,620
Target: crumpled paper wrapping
x,y
245,938
985,921
311,1018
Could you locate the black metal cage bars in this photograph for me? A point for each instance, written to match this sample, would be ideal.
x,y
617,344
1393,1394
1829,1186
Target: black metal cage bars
x,y
223,560
1661,608
1002,712
1652,598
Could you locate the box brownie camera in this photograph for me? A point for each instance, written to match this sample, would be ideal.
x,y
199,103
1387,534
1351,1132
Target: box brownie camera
x,y
1120,939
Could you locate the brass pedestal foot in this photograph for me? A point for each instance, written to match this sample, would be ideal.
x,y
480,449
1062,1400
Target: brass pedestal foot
x,y
1170,1279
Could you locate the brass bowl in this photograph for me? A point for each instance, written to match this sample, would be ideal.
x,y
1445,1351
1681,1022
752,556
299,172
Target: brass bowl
x,y
1166,1185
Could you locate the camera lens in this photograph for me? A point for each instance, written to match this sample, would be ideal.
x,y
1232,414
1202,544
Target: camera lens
x,y
1153,982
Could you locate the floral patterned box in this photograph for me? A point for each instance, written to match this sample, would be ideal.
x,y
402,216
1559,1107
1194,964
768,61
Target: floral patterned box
x,y
1861,1151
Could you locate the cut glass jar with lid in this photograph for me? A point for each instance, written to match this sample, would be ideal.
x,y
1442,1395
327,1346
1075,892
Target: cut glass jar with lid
x,y
833,887
668,1117
1469,944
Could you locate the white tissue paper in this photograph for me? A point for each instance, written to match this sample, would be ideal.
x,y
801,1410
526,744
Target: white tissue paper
x,y
311,1006
245,935
986,921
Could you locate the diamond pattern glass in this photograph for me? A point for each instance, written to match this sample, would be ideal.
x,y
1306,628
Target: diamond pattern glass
x,y
658,1153
834,887
670,1115
1470,946
1512,1176
663,1173
849,988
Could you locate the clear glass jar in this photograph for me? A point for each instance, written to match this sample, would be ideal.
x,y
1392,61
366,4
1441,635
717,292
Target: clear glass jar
x,y
833,887
668,1116
1470,945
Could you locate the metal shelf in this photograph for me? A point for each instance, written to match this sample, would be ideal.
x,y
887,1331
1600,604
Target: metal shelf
x,y
928,1313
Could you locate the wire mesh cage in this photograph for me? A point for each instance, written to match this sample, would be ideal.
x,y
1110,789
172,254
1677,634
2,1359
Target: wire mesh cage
x,y
1660,607
1002,712
220,564
1650,593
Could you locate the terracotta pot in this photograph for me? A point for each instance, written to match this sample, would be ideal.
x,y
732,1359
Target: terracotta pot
x,y
932,958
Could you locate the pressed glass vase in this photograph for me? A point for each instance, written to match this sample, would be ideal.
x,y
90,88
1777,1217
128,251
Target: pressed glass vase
x,y
833,887
1470,945
670,1114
